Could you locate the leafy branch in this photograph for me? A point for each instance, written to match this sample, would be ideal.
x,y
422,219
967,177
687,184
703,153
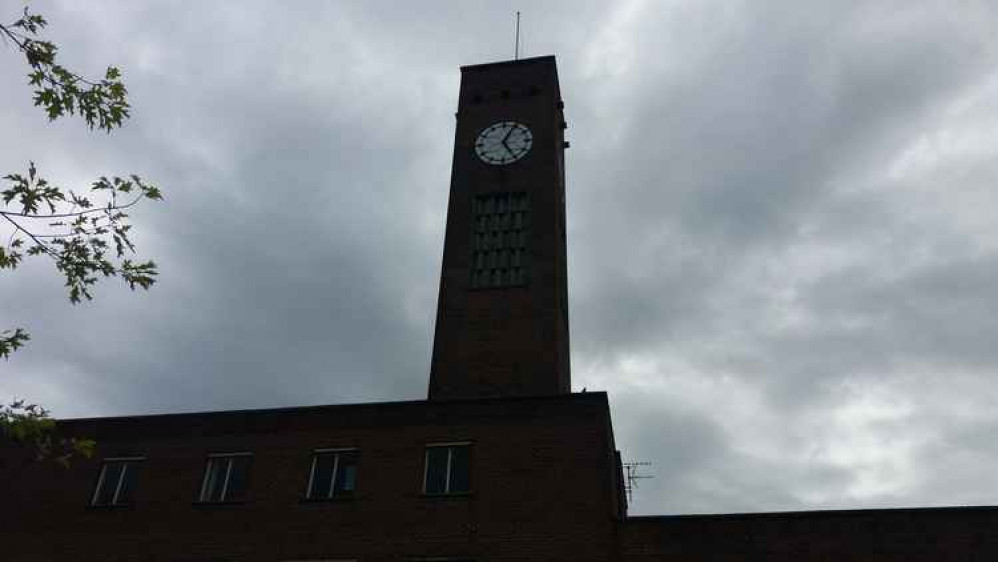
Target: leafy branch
x,y
87,237
10,340
86,242
31,424
101,103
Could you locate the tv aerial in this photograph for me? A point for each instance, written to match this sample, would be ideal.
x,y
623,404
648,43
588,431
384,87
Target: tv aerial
x,y
632,473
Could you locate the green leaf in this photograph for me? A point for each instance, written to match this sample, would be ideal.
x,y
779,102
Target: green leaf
x,y
11,340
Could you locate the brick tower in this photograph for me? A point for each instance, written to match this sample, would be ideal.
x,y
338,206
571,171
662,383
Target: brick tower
x,y
502,310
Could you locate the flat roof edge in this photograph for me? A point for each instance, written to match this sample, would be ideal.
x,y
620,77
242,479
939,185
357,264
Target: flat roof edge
x,y
816,512
594,396
489,65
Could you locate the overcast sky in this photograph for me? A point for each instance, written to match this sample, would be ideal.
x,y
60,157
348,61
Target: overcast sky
x,y
782,226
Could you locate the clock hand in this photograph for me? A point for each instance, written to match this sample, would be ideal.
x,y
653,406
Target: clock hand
x,y
506,138
508,133
508,149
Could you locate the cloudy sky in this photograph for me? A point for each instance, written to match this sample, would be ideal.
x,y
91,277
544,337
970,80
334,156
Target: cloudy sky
x,y
782,226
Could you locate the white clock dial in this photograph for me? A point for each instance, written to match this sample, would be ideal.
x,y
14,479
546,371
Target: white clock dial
x,y
503,143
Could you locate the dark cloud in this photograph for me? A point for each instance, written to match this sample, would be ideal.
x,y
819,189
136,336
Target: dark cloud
x,y
781,227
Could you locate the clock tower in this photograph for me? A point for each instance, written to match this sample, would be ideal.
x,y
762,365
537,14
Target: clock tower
x,y
502,310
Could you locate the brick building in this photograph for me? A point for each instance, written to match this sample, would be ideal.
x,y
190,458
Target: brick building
x,y
501,462
517,466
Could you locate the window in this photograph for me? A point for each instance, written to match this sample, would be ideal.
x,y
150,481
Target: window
x,y
333,474
116,481
448,469
499,240
226,477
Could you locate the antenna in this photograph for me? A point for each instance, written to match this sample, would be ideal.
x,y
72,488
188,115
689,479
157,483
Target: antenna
x,y
632,477
516,48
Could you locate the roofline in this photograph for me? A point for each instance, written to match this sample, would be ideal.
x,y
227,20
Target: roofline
x,y
490,65
353,405
815,513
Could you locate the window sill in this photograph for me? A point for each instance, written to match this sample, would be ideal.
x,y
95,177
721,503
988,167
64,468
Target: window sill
x,y
118,507
446,496
320,501
199,503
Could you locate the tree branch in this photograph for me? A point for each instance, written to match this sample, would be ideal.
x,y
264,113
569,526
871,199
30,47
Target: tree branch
x,y
73,214
29,234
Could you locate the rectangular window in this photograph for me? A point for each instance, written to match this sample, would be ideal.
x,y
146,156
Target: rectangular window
x,y
116,481
447,469
499,240
333,474
226,477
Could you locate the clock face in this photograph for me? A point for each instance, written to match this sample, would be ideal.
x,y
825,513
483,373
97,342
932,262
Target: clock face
x,y
503,143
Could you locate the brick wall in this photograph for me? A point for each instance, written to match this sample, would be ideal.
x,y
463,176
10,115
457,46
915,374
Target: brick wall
x,y
540,486
510,341
544,487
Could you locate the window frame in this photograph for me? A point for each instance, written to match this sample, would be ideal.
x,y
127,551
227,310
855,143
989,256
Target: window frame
x,y
313,463
101,475
449,445
223,496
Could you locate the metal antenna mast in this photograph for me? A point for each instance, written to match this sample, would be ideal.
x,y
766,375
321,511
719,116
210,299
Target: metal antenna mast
x,y
632,477
516,48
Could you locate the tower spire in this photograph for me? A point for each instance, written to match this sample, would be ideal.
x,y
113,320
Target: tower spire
x,y
516,48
